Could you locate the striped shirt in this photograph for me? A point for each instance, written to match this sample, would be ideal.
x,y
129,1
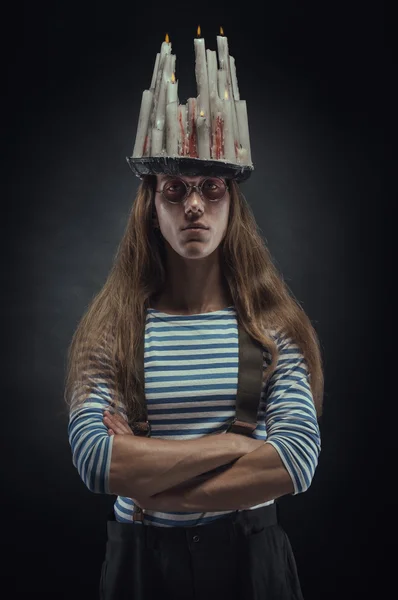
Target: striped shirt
x,y
191,379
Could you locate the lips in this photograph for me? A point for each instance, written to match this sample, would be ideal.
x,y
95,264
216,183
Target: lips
x,y
195,226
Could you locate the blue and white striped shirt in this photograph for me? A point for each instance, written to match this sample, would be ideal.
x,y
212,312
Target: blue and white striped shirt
x,y
191,378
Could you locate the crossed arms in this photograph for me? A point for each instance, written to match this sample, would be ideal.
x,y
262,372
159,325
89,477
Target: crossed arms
x,y
214,472
177,475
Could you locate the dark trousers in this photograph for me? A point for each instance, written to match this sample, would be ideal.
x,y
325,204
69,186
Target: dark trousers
x,y
244,556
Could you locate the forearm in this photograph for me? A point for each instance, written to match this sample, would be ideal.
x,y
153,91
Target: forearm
x,y
253,479
142,467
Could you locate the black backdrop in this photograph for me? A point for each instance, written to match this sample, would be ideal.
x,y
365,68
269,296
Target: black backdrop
x,y
314,80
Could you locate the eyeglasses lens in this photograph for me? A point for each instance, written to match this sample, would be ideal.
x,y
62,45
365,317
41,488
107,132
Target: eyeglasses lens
x,y
213,189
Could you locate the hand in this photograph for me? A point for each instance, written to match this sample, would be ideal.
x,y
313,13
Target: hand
x,y
168,501
247,444
116,424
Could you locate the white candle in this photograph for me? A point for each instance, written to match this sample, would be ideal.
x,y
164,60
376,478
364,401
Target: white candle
x,y
141,139
165,51
242,156
173,63
234,79
203,131
222,84
157,142
243,123
161,106
201,76
182,130
148,144
215,101
223,55
229,145
155,73
172,90
222,46
203,100
171,129
212,70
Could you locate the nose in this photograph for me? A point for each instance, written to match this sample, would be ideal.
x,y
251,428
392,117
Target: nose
x,y
193,202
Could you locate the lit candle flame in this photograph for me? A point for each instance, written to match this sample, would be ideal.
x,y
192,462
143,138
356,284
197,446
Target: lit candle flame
x,y
226,94
199,31
221,31
167,39
173,78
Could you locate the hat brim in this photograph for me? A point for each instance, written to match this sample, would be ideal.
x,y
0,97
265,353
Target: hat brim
x,y
181,165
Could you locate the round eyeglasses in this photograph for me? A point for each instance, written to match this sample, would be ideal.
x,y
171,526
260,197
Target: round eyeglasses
x,y
176,190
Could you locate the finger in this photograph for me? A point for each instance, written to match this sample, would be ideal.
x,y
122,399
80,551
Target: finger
x,y
113,425
111,432
116,417
119,427
118,423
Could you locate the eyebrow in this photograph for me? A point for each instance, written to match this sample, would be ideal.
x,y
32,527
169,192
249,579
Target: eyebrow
x,y
164,177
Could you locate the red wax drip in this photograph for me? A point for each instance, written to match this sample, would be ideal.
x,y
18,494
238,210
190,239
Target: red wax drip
x,y
145,145
219,145
192,138
182,135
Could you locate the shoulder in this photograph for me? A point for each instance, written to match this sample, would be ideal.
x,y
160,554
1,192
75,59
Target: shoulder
x,y
290,355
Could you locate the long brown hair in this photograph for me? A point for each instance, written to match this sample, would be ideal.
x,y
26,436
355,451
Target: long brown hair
x,y
110,332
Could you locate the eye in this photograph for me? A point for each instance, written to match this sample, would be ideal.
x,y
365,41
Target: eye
x,y
174,190
174,186
214,188
212,184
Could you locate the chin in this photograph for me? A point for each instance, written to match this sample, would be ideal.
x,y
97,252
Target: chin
x,y
195,251
195,254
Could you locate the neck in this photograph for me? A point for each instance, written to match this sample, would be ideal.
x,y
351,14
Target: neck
x,y
193,286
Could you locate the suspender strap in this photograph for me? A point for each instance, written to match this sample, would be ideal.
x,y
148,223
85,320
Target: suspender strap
x,y
141,426
250,375
250,378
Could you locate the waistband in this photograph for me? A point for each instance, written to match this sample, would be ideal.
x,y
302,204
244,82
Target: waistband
x,y
223,529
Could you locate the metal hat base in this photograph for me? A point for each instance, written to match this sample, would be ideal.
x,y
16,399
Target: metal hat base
x,y
181,165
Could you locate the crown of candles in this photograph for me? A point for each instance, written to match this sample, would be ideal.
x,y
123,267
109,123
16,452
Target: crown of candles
x,y
209,134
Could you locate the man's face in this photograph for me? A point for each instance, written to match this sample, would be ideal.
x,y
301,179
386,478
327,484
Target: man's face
x,y
176,220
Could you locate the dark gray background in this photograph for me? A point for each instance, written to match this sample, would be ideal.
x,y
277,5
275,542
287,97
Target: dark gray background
x,y
314,78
